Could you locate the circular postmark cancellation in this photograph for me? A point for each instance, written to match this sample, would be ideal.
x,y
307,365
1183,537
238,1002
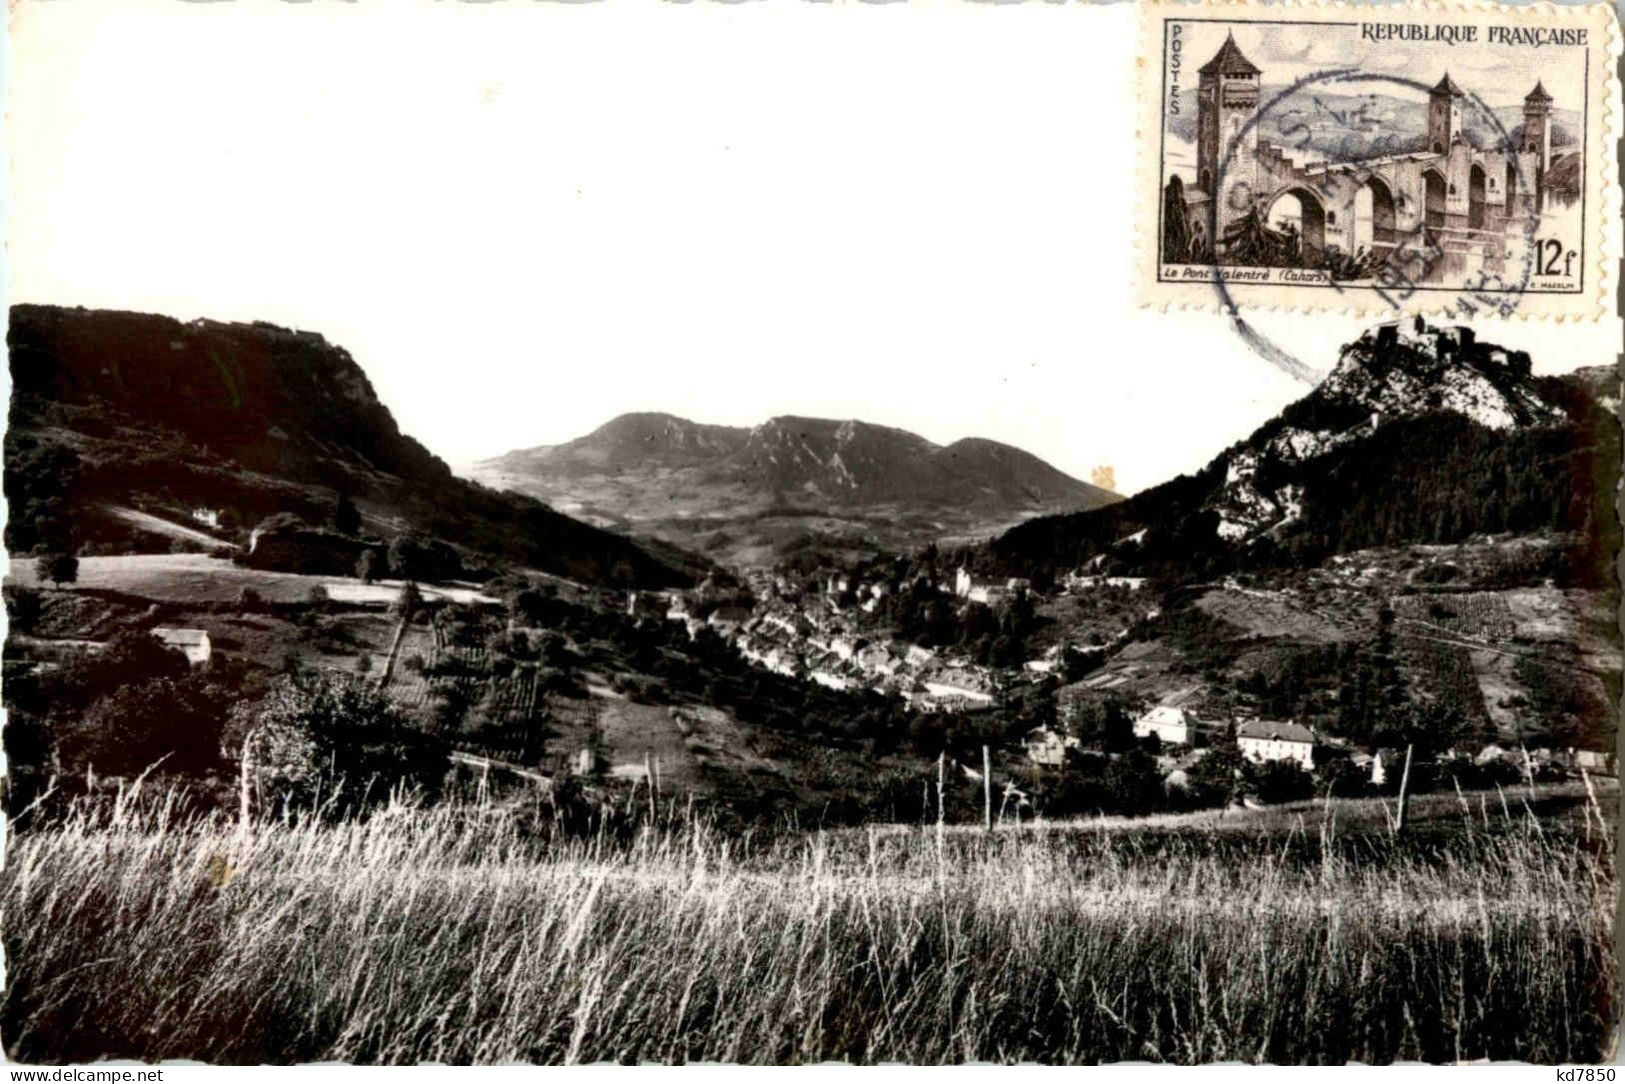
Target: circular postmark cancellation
x,y
1391,262
1322,162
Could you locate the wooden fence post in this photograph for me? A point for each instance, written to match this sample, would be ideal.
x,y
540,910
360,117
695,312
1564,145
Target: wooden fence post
x,y
1404,791
942,772
649,774
245,774
987,790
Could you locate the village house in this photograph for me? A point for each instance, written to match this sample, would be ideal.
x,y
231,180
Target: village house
x,y
1593,761
954,692
1047,663
968,589
829,679
1077,582
1171,725
1047,747
646,603
919,657
193,643
1263,740
876,659
727,620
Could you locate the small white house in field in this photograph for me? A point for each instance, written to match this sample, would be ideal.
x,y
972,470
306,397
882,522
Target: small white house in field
x,y
1262,739
1171,725
193,643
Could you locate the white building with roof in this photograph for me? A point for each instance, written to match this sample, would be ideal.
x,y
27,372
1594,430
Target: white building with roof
x,y
193,643
1263,740
1171,725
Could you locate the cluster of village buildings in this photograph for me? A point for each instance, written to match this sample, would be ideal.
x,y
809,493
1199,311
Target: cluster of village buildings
x,y
1183,739
824,640
827,635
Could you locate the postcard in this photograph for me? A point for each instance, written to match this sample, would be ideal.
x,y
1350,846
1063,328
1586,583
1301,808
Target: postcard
x,y
791,533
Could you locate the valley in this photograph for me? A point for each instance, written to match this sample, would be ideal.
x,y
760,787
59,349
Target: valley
x,y
295,663
1111,660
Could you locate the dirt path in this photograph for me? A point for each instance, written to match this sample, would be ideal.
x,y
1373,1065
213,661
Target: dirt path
x,y
166,527
1456,640
483,764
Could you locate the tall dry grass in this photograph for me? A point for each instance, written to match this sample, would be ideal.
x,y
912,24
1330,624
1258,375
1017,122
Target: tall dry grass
x,y
449,935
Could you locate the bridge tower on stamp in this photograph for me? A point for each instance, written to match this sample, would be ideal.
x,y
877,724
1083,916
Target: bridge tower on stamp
x,y
1537,136
1444,115
1226,98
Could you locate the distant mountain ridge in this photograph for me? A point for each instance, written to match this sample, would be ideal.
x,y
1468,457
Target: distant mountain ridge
x,y
633,440
654,472
800,459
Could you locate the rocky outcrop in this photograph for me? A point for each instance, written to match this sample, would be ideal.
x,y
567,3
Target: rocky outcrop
x,y
1402,369
259,420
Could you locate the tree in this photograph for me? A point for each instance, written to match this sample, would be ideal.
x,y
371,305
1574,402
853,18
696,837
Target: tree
x,y
1104,722
330,739
59,568
405,556
1216,778
534,607
1132,784
1176,239
168,721
23,608
414,557
407,602
128,658
346,517
1280,781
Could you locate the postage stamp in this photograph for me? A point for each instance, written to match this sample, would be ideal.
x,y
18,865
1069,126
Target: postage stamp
x,y
1431,158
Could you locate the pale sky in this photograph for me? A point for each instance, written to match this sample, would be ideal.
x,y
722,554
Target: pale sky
x,y
525,218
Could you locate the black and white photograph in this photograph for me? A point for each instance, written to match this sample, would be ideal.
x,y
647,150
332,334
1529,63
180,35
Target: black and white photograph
x,y
661,533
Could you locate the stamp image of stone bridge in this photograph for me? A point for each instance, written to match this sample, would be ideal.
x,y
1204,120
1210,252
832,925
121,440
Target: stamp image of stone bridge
x,y
1460,200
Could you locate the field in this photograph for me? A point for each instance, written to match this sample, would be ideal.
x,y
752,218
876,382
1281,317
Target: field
x,y
451,935
1486,635
199,578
